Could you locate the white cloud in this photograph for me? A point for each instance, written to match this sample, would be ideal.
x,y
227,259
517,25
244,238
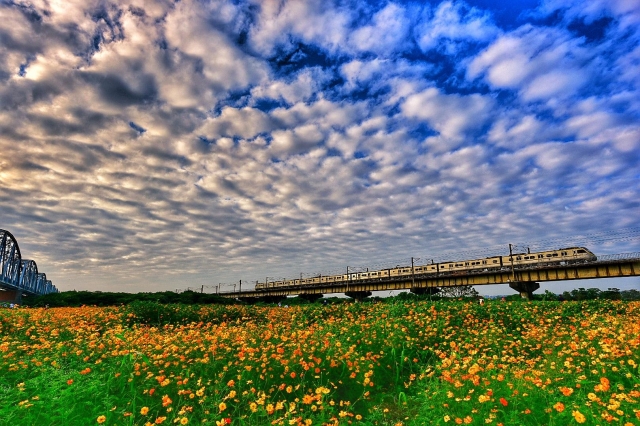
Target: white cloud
x,y
386,34
453,23
246,123
225,66
301,88
538,62
451,115
627,12
313,22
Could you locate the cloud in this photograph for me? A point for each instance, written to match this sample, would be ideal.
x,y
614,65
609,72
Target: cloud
x,y
540,63
301,87
453,23
626,12
279,24
386,34
450,115
158,145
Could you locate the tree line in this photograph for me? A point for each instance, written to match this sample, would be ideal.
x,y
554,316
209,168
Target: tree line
x,y
98,298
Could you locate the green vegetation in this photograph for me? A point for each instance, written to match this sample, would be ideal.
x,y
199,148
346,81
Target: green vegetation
x,y
401,362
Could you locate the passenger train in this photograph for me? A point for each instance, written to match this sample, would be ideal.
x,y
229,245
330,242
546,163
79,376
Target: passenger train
x,y
567,255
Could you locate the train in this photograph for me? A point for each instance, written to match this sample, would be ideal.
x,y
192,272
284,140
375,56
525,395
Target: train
x,y
566,255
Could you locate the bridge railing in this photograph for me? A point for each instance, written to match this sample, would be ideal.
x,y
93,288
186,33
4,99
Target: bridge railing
x,y
620,256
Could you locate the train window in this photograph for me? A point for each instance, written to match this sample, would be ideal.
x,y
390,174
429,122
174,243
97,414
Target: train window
x,y
540,256
549,254
495,261
518,258
564,253
582,251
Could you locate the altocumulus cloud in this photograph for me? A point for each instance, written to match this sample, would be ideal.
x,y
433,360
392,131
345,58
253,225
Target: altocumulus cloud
x,y
149,145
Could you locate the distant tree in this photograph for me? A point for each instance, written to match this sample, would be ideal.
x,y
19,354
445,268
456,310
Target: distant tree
x,y
458,291
630,294
549,296
611,294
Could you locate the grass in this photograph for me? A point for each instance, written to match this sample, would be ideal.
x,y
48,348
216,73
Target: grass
x,y
401,362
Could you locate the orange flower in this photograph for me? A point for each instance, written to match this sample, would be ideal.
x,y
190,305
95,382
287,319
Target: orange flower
x,y
70,381
166,400
566,391
231,383
160,420
559,406
101,419
503,402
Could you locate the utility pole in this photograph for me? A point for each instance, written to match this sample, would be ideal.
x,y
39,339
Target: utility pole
x,y
413,275
348,278
513,272
240,291
202,289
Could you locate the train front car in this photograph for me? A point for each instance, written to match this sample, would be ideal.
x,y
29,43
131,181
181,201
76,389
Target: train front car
x,y
581,253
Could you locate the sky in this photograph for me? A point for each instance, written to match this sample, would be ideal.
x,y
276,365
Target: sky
x,y
160,145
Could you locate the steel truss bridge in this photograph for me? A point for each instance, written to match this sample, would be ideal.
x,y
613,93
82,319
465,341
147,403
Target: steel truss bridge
x,y
18,275
523,279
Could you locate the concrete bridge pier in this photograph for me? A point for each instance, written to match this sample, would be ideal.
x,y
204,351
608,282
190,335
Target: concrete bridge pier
x,y
525,288
358,295
11,296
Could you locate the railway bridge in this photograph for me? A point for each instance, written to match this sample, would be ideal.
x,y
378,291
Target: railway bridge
x,y
525,279
19,276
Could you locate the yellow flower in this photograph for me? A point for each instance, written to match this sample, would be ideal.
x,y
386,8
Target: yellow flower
x,y
222,406
447,418
144,411
579,417
101,419
184,421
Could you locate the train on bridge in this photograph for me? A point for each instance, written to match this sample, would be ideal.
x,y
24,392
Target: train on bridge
x,y
563,256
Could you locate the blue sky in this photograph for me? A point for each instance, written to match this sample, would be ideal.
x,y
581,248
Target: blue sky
x,y
147,146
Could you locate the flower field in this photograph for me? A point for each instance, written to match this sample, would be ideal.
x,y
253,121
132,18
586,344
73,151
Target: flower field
x,y
397,362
